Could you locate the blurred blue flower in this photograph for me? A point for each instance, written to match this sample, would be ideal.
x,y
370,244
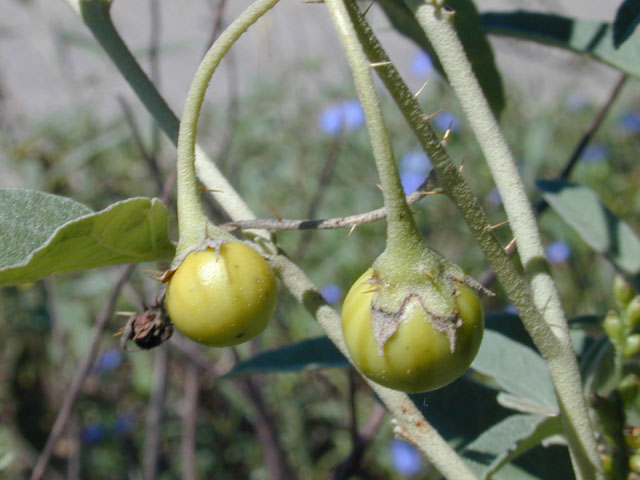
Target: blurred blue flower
x,y
511,309
343,116
421,65
124,424
109,360
630,123
331,293
494,198
414,167
410,181
406,459
595,153
445,120
93,433
558,251
575,102
415,161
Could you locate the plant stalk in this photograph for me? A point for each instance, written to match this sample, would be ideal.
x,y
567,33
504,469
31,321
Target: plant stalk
x,y
402,233
438,26
192,221
95,14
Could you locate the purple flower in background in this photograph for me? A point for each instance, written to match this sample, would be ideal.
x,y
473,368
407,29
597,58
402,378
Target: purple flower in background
x,y
511,309
124,424
331,293
595,153
109,360
445,120
406,459
630,123
558,251
410,181
421,65
93,433
494,198
343,116
414,167
415,161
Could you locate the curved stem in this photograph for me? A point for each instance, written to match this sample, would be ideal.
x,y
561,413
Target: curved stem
x,y
402,232
191,219
437,24
95,14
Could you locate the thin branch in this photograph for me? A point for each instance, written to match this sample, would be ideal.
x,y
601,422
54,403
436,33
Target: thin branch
x,y
267,431
154,414
351,464
80,375
217,24
427,188
189,421
149,158
586,138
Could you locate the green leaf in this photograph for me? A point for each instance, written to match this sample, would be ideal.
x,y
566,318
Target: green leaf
x,y
627,19
527,376
315,352
43,234
581,36
469,27
462,410
581,208
507,440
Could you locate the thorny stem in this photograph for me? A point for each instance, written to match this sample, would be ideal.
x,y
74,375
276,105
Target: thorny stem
x,y
402,234
192,221
404,243
438,26
81,373
350,221
154,414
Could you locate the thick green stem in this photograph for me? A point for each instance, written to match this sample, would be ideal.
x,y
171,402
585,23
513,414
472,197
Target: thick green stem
x,y
95,14
437,24
191,219
402,233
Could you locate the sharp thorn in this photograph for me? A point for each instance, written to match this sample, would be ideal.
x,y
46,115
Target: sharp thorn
x,y
421,89
491,228
366,10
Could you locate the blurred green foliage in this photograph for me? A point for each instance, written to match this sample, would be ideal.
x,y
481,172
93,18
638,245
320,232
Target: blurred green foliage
x,y
276,156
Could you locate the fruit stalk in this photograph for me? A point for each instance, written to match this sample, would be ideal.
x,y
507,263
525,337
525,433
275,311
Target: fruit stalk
x,y
192,222
95,14
404,243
